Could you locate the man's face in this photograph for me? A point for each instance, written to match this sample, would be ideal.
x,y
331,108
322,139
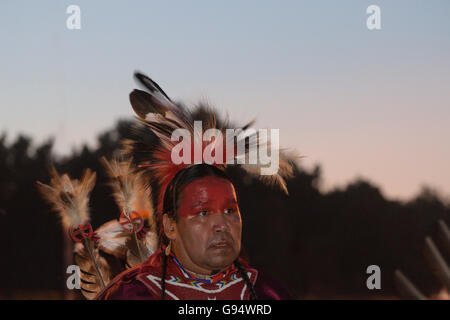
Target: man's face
x,y
209,226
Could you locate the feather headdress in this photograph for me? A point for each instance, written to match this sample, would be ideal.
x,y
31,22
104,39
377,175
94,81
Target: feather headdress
x,y
152,145
148,157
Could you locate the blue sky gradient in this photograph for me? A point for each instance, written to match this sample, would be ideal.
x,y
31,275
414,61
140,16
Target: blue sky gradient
x,y
364,103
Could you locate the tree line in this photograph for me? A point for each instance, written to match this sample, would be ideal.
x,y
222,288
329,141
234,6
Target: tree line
x,y
318,244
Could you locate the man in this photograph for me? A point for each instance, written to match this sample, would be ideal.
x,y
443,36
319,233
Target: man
x,y
197,214
203,240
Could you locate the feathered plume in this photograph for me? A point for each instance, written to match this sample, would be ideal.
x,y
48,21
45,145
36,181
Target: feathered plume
x,y
285,171
70,198
114,240
94,276
129,190
133,199
151,145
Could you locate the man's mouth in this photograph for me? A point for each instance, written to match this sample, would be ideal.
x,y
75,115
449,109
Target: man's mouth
x,y
221,244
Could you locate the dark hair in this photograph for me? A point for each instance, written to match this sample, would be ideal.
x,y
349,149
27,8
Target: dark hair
x,y
171,204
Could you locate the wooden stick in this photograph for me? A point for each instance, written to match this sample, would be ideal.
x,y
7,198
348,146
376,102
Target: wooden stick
x,y
407,287
438,261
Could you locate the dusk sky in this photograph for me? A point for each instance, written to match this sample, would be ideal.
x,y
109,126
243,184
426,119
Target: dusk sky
x,y
362,103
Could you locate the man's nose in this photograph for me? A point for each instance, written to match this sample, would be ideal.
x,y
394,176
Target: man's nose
x,y
220,223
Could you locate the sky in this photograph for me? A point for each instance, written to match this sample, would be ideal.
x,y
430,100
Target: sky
x,y
361,103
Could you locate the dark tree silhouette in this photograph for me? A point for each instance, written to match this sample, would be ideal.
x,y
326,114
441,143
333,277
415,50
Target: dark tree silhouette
x,y
319,244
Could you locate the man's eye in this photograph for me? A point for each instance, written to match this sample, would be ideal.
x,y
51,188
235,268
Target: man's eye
x,y
229,210
203,213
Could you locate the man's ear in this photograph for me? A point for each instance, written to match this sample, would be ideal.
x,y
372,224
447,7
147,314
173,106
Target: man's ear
x,y
169,227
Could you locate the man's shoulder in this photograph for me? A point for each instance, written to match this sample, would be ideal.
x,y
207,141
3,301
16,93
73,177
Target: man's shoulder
x,y
269,288
266,286
128,284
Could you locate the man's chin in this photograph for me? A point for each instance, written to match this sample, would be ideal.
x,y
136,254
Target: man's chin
x,y
221,259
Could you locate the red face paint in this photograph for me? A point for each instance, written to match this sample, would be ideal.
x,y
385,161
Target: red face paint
x,y
206,196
